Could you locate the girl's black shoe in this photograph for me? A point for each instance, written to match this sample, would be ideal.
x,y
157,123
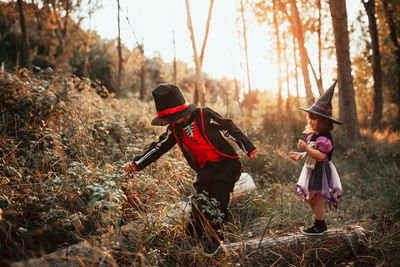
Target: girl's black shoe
x,y
313,230
319,228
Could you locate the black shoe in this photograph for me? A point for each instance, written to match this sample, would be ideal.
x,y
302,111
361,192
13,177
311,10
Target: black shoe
x,y
212,248
314,230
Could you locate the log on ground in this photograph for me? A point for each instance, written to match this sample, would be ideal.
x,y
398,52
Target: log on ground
x,y
335,246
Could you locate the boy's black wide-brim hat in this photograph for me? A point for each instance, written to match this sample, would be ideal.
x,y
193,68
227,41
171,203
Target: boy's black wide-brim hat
x,y
170,104
323,106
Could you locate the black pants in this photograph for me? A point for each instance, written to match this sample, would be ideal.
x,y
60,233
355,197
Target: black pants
x,y
210,204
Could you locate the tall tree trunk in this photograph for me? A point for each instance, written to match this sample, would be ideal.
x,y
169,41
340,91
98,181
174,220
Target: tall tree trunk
x,y
376,64
142,62
86,47
86,56
278,48
245,44
319,81
237,92
396,52
174,63
118,89
296,74
39,27
26,52
204,47
287,74
142,72
304,58
303,53
62,31
206,33
199,76
347,104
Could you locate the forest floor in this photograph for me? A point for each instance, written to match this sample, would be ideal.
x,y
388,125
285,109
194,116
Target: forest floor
x,y
64,142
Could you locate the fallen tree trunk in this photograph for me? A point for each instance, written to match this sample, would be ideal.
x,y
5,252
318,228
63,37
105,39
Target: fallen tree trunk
x,y
335,246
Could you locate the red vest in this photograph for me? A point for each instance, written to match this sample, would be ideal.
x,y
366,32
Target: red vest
x,y
199,147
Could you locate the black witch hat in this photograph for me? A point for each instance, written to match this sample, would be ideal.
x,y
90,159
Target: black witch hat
x,y
323,106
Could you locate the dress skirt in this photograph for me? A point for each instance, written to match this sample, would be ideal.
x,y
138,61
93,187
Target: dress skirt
x,y
324,180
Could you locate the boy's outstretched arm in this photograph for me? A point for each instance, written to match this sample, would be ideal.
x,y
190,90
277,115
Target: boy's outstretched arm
x,y
230,130
156,149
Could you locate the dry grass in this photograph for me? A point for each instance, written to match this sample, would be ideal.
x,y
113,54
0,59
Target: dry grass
x,y
62,181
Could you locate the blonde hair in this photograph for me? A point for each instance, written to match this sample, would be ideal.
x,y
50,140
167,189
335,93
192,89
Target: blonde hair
x,y
324,124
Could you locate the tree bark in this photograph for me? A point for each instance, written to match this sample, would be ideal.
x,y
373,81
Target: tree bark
x,y
279,58
296,73
396,53
118,89
142,72
199,76
39,27
245,45
376,64
206,33
26,52
347,105
142,62
86,47
174,63
195,94
287,74
319,81
294,23
237,93
62,30
334,246
303,53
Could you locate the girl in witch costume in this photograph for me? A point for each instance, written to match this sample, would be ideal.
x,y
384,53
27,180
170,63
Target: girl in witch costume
x,y
201,135
318,179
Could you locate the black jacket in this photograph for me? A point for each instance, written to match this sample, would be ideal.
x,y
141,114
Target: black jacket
x,y
214,129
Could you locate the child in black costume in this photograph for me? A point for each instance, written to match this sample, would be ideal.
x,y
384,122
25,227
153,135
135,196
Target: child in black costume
x,y
201,135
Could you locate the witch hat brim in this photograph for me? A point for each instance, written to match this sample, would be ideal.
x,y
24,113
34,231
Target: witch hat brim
x,y
323,106
317,112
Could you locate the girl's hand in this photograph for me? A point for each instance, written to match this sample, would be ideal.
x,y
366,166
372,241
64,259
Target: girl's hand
x,y
295,155
302,145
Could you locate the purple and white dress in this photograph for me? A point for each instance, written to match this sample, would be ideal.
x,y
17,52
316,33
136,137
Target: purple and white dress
x,y
323,179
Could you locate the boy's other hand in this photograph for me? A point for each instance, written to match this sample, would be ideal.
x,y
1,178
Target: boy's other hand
x,y
295,155
253,156
129,168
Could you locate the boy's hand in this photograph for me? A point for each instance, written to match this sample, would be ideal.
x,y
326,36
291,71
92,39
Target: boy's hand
x,y
302,145
295,155
253,156
129,168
